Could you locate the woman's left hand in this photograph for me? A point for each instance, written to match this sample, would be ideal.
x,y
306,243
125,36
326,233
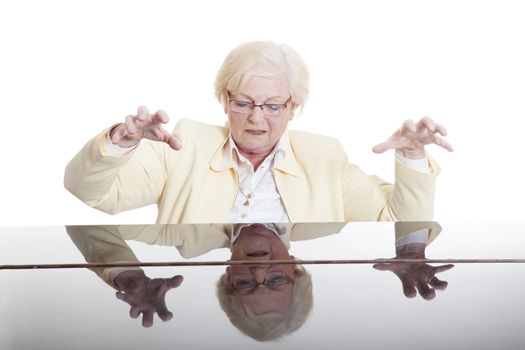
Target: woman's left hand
x,y
409,141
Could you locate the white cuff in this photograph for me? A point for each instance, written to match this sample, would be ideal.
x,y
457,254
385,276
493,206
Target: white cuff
x,y
116,150
421,165
419,236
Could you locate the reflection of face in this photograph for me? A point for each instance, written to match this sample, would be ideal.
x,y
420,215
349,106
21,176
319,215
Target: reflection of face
x,y
256,133
258,243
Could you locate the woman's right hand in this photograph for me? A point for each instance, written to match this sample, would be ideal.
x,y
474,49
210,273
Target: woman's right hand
x,y
143,126
145,295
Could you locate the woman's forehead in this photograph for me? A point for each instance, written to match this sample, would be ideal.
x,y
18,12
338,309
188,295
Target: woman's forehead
x,y
264,87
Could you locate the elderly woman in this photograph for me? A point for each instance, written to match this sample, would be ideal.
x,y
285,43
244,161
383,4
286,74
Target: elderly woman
x,y
254,169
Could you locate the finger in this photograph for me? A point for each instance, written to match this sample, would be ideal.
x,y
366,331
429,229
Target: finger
x,y
398,140
164,314
436,283
160,117
427,123
174,143
122,296
408,289
176,281
142,113
442,268
131,128
441,130
408,126
164,136
134,312
147,319
392,143
382,267
442,143
425,291
118,133
168,283
395,142
382,147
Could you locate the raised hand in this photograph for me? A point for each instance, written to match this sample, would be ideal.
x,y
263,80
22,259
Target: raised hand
x,y
417,276
145,295
144,125
410,140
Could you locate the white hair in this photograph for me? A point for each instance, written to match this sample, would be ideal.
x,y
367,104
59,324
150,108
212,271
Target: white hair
x,y
263,58
269,326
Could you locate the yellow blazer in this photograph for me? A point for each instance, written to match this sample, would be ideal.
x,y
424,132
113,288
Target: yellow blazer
x,y
196,185
107,243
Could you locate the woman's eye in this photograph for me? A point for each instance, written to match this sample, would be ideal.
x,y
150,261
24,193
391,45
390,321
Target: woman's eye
x,y
272,107
242,104
243,284
277,280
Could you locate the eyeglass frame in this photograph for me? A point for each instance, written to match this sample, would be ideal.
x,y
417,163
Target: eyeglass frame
x,y
264,107
250,290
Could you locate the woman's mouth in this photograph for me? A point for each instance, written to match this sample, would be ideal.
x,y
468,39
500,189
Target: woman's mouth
x,y
257,254
256,132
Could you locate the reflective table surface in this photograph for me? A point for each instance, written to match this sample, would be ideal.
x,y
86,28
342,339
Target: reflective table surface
x,y
423,285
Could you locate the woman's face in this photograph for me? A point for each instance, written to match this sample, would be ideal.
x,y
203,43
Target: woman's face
x,y
256,133
257,243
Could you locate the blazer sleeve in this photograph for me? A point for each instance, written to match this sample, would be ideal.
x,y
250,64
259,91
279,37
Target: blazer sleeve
x,y
116,183
369,198
101,244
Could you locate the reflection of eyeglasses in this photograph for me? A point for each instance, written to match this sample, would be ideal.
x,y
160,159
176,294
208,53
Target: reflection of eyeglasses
x,y
269,109
274,280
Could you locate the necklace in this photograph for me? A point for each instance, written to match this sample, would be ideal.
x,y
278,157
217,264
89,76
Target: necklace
x,y
251,194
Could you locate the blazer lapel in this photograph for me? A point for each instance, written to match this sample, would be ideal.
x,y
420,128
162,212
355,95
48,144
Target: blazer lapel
x,y
292,185
222,159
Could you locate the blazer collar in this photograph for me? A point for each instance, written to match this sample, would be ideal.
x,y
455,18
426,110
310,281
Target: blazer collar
x,y
289,164
223,158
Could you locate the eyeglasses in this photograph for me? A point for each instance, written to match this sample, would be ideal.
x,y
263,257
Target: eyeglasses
x,y
273,280
247,107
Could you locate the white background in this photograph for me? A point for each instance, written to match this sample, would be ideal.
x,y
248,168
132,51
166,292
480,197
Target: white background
x,y
70,69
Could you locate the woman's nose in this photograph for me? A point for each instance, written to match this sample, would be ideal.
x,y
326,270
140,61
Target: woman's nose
x,y
256,268
257,113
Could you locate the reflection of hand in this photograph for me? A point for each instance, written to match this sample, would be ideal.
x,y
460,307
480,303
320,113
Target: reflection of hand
x,y
410,140
143,125
145,295
417,276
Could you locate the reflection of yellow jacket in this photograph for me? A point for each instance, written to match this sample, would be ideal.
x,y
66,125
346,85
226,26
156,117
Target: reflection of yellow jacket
x,y
107,243
195,185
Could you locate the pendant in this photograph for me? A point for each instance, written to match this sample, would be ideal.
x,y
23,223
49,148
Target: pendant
x,y
247,203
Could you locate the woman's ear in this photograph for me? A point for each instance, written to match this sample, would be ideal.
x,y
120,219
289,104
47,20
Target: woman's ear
x,y
224,101
293,109
298,270
228,287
